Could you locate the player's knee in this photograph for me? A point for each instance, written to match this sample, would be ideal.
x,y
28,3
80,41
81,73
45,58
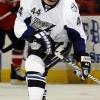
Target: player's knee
x,y
35,64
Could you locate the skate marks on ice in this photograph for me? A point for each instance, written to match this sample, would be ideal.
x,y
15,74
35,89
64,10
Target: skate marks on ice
x,y
54,92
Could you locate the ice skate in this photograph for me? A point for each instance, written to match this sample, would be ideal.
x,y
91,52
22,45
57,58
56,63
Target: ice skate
x,y
17,78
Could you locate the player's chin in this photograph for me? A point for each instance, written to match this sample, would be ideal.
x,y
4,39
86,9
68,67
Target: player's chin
x,y
52,0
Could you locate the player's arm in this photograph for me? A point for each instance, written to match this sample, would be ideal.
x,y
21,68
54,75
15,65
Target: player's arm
x,y
23,30
77,36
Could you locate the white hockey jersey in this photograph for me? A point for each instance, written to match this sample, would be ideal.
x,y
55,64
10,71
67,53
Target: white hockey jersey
x,y
64,16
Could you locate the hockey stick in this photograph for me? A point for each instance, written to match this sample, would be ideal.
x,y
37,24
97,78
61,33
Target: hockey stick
x,y
8,48
11,45
75,66
5,15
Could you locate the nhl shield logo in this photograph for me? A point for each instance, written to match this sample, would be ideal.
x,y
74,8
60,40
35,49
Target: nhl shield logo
x,y
74,7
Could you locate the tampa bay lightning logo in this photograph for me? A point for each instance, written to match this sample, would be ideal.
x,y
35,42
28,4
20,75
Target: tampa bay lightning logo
x,y
74,7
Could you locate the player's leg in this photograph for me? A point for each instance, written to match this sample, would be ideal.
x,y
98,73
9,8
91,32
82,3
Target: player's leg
x,y
39,55
17,57
37,68
36,81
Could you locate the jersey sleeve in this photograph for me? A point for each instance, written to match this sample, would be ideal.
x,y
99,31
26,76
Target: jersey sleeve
x,y
74,26
22,26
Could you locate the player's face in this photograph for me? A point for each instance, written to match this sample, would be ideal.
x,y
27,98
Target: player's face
x,y
50,2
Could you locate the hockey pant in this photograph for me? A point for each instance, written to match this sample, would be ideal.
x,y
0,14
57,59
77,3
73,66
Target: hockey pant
x,y
37,65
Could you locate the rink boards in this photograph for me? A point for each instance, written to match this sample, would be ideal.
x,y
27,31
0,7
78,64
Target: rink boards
x,y
64,76
62,72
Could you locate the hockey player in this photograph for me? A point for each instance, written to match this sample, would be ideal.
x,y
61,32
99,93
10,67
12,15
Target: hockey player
x,y
50,26
7,27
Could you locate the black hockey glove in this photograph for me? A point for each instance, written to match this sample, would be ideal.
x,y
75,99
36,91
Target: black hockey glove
x,y
83,61
46,42
15,9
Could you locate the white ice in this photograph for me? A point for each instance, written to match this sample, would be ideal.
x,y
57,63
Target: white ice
x,y
54,92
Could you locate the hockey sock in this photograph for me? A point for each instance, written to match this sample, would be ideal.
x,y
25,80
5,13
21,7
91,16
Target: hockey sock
x,y
36,85
17,58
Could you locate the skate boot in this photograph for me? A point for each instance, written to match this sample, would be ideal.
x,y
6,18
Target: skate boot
x,y
44,95
17,78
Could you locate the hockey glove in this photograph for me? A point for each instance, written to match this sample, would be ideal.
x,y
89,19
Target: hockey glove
x,y
46,42
83,62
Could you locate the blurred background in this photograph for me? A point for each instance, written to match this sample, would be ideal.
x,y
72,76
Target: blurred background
x,y
89,6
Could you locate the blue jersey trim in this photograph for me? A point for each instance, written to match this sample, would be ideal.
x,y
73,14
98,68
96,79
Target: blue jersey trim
x,y
78,42
30,30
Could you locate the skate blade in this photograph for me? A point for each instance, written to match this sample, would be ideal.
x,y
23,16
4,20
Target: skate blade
x,y
17,82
